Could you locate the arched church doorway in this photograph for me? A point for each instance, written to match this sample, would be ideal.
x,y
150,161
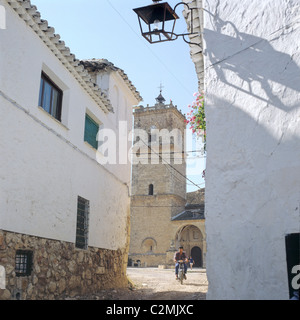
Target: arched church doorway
x,y
191,238
196,253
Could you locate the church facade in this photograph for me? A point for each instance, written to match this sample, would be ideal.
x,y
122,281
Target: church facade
x,y
163,214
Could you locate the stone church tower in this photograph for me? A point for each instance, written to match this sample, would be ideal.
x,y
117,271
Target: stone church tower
x,y
158,185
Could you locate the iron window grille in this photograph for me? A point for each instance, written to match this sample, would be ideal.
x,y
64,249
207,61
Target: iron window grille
x,y
23,262
83,208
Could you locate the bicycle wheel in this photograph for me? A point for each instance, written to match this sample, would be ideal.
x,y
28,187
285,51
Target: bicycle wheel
x,y
181,276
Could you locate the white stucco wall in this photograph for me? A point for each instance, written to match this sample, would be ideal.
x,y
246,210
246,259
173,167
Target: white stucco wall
x,y
252,85
122,119
44,164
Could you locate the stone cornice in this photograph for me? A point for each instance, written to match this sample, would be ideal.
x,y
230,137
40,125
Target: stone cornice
x,y
157,197
141,111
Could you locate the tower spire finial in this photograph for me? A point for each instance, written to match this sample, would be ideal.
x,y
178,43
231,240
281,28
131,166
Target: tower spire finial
x,y
160,99
160,87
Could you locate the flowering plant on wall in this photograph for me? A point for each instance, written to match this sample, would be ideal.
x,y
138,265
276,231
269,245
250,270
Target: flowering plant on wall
x,y
196,118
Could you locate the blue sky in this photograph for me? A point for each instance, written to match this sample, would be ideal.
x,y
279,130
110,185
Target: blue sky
x,y
109,29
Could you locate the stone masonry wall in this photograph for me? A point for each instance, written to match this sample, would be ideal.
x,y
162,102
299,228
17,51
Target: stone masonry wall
x,y
59,270
196,197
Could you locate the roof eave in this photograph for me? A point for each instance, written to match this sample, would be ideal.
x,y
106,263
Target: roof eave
x,y
103,65
32,18
196,51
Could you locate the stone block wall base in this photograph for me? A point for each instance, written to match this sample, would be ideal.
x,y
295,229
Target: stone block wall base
x,y
59,270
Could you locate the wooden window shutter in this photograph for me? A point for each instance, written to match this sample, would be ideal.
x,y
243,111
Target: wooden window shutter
x,y
91,131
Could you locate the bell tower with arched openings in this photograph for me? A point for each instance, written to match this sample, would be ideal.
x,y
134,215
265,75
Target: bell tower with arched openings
x,y
159,166
158,180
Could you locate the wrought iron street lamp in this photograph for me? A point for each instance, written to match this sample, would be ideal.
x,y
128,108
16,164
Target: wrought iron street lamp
x,y
157,22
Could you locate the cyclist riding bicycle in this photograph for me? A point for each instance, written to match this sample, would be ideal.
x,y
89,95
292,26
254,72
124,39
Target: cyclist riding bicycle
x,y
180,256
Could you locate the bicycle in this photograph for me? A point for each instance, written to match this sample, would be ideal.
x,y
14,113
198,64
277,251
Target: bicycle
x,y
181,275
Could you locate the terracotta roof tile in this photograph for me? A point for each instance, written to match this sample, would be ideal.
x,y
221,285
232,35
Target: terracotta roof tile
x,y
105,65
32,17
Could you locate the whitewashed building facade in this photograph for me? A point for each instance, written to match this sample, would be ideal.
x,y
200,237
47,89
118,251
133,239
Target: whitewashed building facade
x,y
250,71
63,216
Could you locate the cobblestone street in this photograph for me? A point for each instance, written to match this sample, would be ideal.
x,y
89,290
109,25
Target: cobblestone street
x,y
159,284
